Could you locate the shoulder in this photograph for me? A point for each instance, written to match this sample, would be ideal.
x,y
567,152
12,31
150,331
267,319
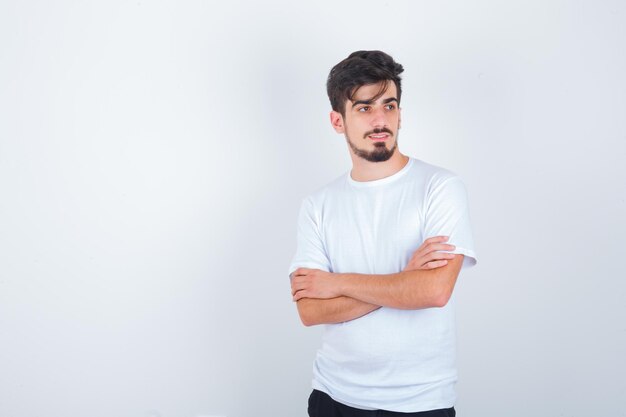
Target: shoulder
x,y
431,171
432,176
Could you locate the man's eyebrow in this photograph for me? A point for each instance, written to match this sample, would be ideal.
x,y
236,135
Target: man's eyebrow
x,y
356,103
368,102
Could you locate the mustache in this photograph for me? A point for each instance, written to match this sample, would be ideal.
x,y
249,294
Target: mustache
x,y
378,131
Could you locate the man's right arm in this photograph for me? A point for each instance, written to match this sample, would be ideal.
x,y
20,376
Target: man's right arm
x,y
334,310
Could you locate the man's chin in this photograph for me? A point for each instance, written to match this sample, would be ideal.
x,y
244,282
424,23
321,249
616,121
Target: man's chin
x,y
380,153
380,157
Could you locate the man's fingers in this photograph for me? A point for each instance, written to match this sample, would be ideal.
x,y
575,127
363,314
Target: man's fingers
x,y
435,264
433,241
302,280
433,253
435,256
432,249
440,246
300,272
295,289
423,251
298,295
433,244
298,284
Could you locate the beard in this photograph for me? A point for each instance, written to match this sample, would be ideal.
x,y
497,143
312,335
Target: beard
x,y
380,153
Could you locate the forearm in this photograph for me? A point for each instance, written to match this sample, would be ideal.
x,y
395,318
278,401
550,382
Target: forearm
x,y
332,310
414,289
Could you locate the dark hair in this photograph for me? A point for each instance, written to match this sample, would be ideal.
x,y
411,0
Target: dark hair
x,y
359,69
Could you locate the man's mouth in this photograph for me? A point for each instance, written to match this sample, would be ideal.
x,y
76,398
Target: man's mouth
x,y
379,134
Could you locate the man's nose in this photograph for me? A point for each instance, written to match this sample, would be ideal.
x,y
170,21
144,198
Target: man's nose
x,y
378,118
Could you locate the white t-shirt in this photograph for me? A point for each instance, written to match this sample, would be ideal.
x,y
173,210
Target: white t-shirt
x,y
389,359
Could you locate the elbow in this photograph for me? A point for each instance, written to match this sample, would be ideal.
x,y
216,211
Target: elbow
x,y
441,298
441,293
440,302
443,283
306,317
307,321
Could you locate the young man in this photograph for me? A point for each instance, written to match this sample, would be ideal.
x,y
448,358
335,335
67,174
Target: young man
x,y
379,251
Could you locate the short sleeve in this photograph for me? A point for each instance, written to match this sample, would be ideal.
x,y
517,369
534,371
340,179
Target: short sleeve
x,y
447,214
310,251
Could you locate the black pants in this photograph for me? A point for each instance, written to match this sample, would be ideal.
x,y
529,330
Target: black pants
x,y
322,405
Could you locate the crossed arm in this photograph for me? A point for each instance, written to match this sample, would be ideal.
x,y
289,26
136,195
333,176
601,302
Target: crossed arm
x,y
427,281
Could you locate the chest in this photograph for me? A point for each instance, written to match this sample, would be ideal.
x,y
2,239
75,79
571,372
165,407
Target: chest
x,y
372,232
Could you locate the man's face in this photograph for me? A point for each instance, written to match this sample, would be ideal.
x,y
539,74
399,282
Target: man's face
x,y
371,126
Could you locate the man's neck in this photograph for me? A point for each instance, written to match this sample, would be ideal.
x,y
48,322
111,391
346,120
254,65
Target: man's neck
x,y
363,170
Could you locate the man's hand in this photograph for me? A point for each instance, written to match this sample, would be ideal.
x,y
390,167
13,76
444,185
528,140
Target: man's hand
x,y
312,283
427,255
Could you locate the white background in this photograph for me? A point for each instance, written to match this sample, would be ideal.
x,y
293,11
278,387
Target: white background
x,y
153,156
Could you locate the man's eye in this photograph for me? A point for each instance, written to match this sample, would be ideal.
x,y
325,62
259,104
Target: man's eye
x,y
391,106
364,108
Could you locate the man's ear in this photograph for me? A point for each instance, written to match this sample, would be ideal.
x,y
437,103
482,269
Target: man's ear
x,y
399,117
336,120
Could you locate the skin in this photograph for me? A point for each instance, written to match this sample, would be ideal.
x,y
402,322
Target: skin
x,y
429,277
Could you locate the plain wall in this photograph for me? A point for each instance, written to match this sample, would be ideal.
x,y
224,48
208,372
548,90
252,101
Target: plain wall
x,y
153,157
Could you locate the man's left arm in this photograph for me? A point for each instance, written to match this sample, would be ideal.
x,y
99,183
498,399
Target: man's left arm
x,y
409,290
